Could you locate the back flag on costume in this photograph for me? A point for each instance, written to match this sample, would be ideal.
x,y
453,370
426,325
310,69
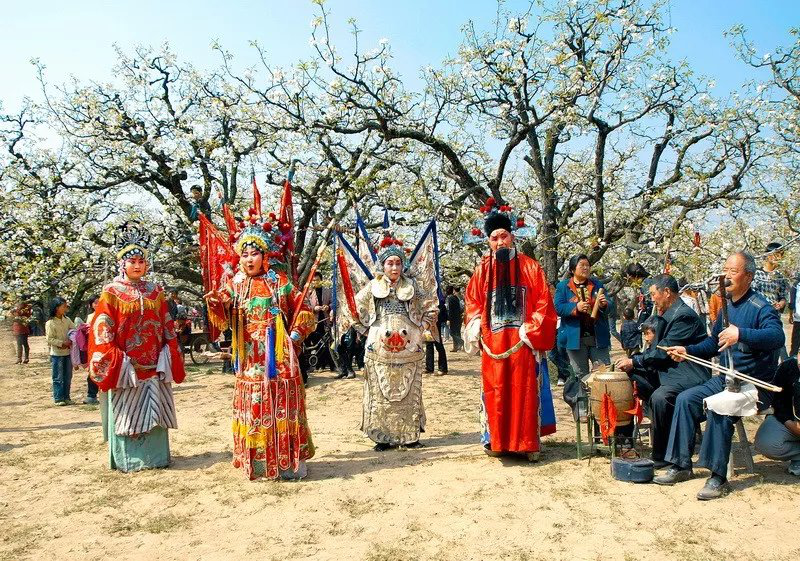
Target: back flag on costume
x,y
363,243
256,197
425,259
350,276
287,217
386,223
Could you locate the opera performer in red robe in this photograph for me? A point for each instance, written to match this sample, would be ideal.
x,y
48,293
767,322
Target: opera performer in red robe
x,y
133,359
511,319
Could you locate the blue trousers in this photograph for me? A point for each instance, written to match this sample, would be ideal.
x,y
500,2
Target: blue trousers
x,y
558,356
717,438
62,377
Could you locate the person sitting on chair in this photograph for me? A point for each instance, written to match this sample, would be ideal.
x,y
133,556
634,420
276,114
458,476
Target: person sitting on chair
x,y
754,335
675,324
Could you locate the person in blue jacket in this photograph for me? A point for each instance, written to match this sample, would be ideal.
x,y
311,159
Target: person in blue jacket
x,y
586,339
754,336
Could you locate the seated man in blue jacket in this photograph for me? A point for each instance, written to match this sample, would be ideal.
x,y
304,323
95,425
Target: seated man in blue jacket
x,y
754,335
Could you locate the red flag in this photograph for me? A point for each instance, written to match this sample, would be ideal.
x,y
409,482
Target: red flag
x,y
637,411
287,217
230,221
256,198
608,417
215,252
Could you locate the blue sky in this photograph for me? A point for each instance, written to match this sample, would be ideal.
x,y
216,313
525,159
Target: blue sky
x,y
76,38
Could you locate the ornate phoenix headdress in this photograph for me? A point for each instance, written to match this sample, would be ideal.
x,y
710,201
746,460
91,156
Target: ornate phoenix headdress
x,y
132,240
267,234
389,247
494,217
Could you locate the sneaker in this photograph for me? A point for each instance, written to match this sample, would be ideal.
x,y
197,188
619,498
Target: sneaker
x,y
440,373
716,486
90,401
61,403
674,475
794,467
25,361
350,375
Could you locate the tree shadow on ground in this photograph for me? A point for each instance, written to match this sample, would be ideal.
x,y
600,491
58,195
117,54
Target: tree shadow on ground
x,y
199,461
346,465
8,447
65,426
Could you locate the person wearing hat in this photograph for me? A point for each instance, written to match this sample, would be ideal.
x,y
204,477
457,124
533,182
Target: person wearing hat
x,y
772,284
396,315
511,321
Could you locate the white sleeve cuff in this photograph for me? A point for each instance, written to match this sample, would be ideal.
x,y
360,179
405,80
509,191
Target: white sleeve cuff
x,y
524,336
472,336
164,366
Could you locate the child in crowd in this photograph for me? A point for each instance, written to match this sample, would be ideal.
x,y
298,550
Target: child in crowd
x,y
630,335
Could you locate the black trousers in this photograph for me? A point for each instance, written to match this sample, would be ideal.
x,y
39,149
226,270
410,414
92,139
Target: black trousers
x,y
429,356
660,401
455,333
794,347
23,349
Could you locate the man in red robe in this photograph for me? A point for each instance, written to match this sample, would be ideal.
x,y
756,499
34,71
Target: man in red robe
x,y
510,316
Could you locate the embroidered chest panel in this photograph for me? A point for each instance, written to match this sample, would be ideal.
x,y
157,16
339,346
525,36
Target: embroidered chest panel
x,y
510,320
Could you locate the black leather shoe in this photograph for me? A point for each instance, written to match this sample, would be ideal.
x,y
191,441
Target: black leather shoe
x,y
674,475
716,487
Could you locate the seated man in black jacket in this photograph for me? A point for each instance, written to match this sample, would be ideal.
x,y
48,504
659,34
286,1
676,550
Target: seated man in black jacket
x,y
677,324
778,437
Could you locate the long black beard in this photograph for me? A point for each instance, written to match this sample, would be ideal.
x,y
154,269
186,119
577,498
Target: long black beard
x,y
503,278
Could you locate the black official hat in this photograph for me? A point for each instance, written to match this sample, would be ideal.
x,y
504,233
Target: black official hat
x,y
497,220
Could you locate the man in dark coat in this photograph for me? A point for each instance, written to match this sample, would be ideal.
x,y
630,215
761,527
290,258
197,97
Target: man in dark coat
x,y
678,324
454,314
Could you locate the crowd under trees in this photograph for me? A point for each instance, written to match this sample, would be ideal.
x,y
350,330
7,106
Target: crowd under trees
x,y
571,112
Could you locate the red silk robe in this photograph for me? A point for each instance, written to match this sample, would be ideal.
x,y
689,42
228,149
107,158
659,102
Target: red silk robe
x,y
511,385
132,319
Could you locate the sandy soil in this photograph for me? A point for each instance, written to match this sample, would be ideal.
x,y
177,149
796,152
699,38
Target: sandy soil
x,y
447,501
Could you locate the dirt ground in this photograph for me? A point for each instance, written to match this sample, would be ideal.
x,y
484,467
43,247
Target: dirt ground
x,y
446,501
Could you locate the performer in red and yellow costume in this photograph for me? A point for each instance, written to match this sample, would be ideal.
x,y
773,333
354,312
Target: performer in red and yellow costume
x,y
133,359
510,317
269,321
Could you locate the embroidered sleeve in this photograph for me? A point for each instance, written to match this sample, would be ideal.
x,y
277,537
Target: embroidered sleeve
x,y
105,355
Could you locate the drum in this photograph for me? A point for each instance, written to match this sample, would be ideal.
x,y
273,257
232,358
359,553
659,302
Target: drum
x,y
619,387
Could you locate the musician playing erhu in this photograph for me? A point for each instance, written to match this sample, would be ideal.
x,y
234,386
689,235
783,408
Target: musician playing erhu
x,y
754,335
678,325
